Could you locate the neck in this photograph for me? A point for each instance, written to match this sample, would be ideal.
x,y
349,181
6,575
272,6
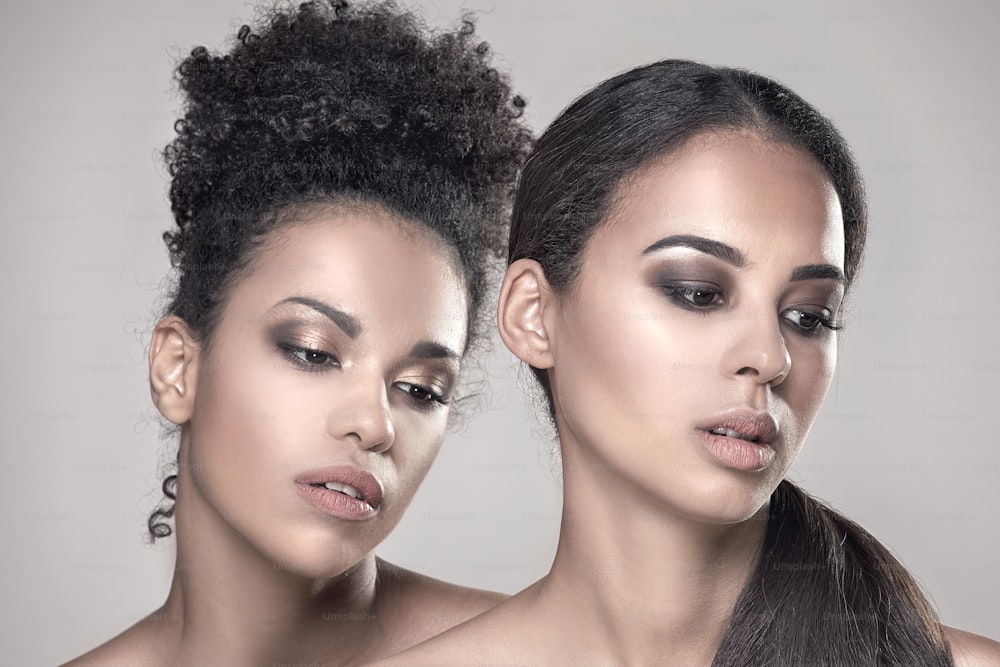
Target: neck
x,y
660,588
230,604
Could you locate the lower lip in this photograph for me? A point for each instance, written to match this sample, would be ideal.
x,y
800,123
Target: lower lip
x,y
337,504
736,453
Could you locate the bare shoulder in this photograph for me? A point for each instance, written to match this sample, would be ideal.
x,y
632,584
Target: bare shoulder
x,y
970,650
473,642
112,652
427,605
142,645
497,636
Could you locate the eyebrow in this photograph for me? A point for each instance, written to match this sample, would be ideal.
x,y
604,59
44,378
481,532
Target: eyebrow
x,y
347,323
818,272
352,327
736,257
429,350
726,253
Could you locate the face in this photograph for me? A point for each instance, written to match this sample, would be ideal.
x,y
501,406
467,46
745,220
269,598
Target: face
x,y
692,353
322,399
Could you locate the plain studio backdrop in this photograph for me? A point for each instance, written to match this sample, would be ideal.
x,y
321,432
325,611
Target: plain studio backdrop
x,y
906,443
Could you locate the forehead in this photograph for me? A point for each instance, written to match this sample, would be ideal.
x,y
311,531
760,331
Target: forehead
x,y
753,193
393,275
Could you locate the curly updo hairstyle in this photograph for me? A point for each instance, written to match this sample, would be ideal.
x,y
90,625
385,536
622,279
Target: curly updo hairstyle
x,y
336,104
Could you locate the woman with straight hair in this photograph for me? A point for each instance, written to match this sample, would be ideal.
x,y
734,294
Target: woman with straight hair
x,y
682,242
340,181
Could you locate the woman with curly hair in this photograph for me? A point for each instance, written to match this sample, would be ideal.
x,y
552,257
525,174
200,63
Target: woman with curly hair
x,y
682,240
340,184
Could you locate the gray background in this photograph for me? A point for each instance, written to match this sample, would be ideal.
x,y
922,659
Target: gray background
x,y
906,443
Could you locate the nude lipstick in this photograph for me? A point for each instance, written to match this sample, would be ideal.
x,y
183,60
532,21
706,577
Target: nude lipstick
x,y
343,491
740,439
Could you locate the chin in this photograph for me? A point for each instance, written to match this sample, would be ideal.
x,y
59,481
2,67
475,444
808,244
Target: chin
x,y
727,503
317,556
725,516
316,566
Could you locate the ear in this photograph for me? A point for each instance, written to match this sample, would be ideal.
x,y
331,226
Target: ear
x,y
524,313
173,369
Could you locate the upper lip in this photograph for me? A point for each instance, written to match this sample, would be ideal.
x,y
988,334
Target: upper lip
x,y
757,425
362,480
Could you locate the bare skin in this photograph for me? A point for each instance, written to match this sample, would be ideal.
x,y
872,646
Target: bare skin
x,y
406,608
659,531
971,650
338,349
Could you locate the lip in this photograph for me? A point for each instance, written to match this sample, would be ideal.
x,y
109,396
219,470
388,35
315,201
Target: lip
x,y
737,453
338,504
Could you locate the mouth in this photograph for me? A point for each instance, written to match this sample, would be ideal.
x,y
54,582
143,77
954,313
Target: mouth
x,y
743,424
741,439
730,433
343,491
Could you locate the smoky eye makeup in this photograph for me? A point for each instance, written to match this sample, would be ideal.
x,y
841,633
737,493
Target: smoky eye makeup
x,y
819,296
695,283
426,385
814,307
700,283
685,264
425,392
810,321
304,343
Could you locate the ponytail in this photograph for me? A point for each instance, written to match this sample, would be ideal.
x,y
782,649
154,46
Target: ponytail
x,y
826,592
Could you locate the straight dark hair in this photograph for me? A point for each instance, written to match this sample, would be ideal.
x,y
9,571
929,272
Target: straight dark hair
x,y
824,591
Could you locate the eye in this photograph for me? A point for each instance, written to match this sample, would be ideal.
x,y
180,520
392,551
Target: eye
x,y
424,397
810,324
694,296
309,359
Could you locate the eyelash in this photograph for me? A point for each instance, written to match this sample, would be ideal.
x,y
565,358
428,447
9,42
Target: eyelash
x,y
821,322
430,399
679,294
427,400
299,356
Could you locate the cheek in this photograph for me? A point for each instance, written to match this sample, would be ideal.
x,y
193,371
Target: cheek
x,y
641,361
237,418
590,364
813,366
419,439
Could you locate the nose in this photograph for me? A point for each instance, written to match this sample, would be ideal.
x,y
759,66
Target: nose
x,y
363,415
758,350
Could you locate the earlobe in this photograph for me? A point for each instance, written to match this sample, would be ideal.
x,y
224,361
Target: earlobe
x,y
173,369
525,298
